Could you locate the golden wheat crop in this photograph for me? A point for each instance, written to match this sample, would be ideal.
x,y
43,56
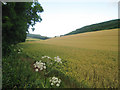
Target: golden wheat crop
x,y
91,57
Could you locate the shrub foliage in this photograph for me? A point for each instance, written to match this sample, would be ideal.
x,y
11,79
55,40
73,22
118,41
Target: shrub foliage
x,y
16,19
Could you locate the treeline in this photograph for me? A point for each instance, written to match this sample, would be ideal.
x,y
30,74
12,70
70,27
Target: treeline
x,y
37,36
112,24
17,17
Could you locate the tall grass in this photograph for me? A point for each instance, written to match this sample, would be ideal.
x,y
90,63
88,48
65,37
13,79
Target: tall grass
x,y
18,72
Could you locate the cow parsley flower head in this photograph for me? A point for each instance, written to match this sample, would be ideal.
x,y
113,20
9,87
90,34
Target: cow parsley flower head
x,y
39,65
55,81
57,59
46,57
19,51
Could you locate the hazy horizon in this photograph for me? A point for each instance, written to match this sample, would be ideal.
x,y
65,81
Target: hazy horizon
x,y
63,16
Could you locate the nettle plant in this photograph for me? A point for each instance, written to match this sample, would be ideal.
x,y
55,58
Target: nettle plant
x,y
45,66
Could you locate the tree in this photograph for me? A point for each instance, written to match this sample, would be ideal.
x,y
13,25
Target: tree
x,y
16,19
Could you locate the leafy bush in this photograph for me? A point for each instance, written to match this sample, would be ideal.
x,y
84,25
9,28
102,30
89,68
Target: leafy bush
x,y
17,17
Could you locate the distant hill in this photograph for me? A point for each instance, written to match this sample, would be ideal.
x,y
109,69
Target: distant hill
x,y
37,36
112,24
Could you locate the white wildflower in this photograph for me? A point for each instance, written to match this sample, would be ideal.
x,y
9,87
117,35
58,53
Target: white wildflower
x,y
53,78
57,59
42,57
36,70
55,81
50,80
41,69
49,57
52,84
44,67
46,57
57,85
59,81
40,65
35,65
18,52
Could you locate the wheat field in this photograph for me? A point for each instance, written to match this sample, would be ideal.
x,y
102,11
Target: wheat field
x,y
91,57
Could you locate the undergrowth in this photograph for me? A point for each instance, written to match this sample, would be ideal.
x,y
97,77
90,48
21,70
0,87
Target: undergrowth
x,y
18,72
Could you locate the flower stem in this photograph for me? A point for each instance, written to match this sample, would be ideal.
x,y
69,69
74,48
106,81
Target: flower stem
x,y
45,82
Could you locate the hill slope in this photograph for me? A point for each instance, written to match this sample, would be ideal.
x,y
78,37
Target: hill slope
x,y
37,36
112,24
100,40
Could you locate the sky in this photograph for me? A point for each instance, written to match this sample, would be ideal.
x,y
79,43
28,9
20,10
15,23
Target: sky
x,y
63,16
